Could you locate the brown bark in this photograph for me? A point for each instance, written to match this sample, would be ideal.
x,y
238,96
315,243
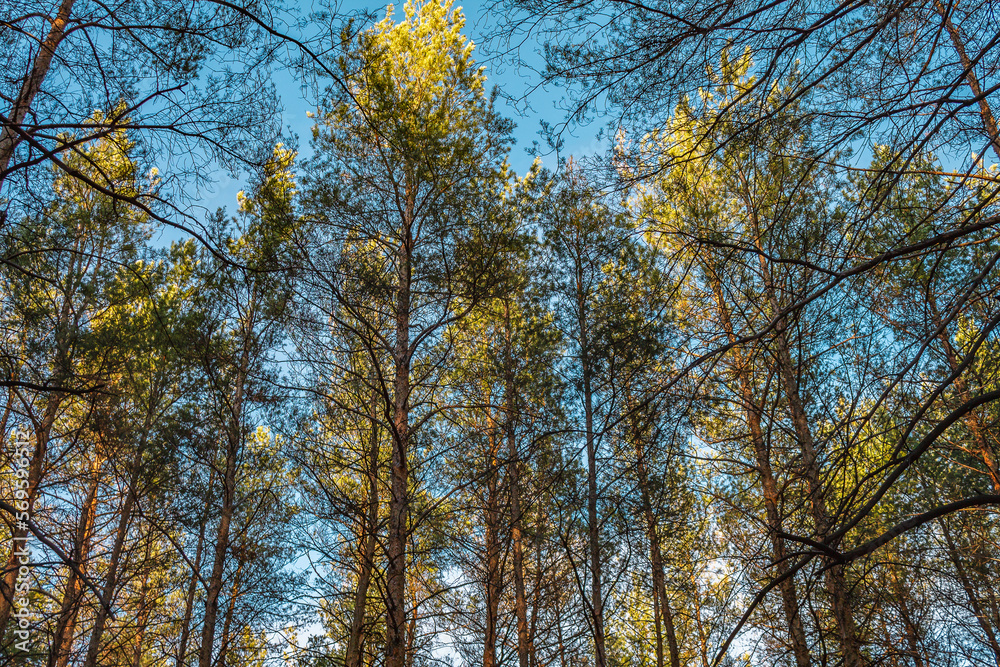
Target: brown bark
x,y
195,578
227,624
514,477
10,137
835,582
663,615
699,622
593,527
411,633
973,421
769,486
19,535
910,628
493,573
66,323
62,640
234,441
985,113
145,606
124,518
8,406
970,592
399,494
367,560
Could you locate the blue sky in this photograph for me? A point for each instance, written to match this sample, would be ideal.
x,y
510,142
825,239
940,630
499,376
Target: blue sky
x,y
522,100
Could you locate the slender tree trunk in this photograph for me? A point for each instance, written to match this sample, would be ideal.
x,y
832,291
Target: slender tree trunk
x,y
195,577
973,421
111,579
658,624
910,629
19,535
493,572
593,527
62,640
699,622
559,636
835,583
234,443
514,477
10,137
227,624
970,592
8,406
663,615
411,633
985,113
367,559
536,597
399,498
142,620
769,486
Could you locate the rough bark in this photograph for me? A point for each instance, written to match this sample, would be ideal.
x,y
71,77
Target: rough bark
x,y
367,560
62,640
514,477
19,535
10,137
399,494
769,486
111,578
234,441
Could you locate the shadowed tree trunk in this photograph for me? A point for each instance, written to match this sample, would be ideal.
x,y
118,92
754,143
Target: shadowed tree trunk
x,y
396,640
62,640
769,486
367,560
514,477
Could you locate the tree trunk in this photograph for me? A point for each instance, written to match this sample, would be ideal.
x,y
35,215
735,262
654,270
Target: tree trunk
x,y
769,486
367,559
142,620
973,421
10,137
912,632
19,535
399,498
835,582
663,615
111,579
985,113
62,640
493,572
514,477
227,624
234,444
970,592
593,528
195,578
